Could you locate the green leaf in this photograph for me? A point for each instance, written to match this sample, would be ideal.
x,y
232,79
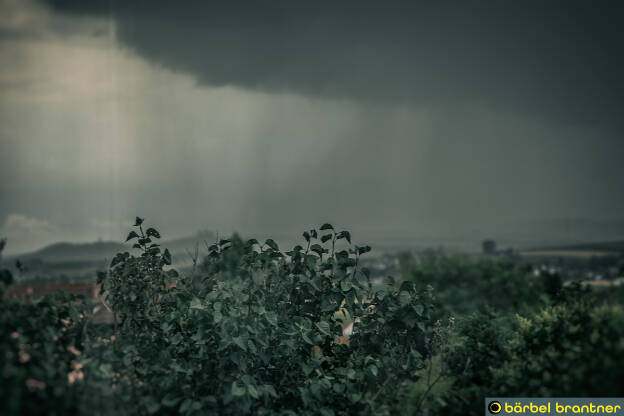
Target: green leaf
x,y
307,339
326,226
326,237
404,298
306,235
152,232
315,388
272,318
132,235
185,405
312,283
138,221
196,303
270,389
153,250
317,249
306,368
323,326
272,244
236,390
166,257
217,317
419,309
355,397
338,388
327,305
240,342
169,400
253,392
127,360
106,370
347,236
362,250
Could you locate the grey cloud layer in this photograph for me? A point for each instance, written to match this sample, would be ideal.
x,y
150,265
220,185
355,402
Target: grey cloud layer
x,y
558,60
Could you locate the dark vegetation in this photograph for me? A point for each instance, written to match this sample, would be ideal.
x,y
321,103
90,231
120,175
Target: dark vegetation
x,y
254,330
518,334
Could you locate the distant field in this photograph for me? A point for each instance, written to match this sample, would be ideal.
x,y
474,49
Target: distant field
x,y
567,253
613,248
24,291
599,283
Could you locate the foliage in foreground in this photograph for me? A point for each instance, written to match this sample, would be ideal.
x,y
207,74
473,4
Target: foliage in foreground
x,y
521,336
263,338
38,353
257,331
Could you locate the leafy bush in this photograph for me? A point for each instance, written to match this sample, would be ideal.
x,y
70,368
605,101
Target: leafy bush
x,y
39,348
570,349
258,333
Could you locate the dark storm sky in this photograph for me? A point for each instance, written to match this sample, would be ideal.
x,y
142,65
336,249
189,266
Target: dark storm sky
x,y
412,118
558,60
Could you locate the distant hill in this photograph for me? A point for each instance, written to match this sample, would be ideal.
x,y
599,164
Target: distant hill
x,y
78,261
64,252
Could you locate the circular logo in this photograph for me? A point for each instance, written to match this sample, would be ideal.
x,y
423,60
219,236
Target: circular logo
x,y
495,407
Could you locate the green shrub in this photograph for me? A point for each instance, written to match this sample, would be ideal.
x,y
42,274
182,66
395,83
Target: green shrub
x,y
462,368
571,349
40,347
257,332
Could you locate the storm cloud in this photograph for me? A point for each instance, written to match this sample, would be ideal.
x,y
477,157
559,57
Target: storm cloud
x,y
560,60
